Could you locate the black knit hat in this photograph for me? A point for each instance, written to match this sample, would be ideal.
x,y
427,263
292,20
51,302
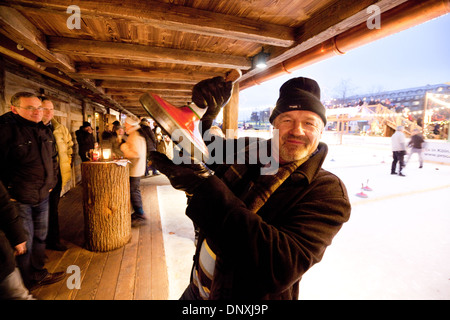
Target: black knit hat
x,y
86,124
299,94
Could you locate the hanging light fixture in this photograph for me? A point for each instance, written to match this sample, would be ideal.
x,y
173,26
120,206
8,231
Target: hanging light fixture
x,y
260,60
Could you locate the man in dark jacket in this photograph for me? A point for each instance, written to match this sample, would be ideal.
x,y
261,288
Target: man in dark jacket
x,y
12,236
150,138
416,144
260,231
85,139
28,159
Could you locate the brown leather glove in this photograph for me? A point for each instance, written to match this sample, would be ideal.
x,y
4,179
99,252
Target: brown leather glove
x,y
186,177
212,94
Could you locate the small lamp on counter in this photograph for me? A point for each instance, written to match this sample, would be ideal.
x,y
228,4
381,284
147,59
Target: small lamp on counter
x,y
106,154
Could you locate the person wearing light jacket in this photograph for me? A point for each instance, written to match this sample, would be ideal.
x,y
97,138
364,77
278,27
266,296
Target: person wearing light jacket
x,y
135,149
398,141
64,143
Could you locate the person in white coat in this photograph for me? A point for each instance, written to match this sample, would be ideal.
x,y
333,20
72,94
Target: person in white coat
x,y
398,141
135,149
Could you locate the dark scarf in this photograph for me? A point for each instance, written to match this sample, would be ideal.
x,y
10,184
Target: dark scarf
x,y
257,191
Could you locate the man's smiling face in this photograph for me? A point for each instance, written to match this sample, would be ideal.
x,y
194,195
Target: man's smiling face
x,y
299,134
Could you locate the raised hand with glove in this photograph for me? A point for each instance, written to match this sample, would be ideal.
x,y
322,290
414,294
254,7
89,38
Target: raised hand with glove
x,y
212,94
185,177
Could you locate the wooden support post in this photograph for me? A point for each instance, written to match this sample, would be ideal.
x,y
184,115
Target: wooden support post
x,y
230,114
106,205
83,109
3,104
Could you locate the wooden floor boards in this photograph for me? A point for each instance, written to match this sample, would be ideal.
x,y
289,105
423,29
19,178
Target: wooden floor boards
x,y
137,271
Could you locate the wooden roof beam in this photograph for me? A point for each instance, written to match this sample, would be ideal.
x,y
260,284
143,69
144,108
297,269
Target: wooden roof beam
x,y
17,28
147,86
119,72
133,93
173,17
135,99
116,50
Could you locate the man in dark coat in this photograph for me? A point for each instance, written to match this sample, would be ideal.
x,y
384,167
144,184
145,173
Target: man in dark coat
x,y
416,144
28,159
150,138
12,242
262,224
85,139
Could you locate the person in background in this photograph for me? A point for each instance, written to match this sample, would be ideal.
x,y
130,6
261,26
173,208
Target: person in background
x,y
27,151
260,230
107,133
114,138
117,140
151,144
85,139
63,143
416,144
12,243
398,141
110,131
135,149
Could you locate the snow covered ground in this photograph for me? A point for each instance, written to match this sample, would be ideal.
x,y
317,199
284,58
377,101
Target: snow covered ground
x,y
396,244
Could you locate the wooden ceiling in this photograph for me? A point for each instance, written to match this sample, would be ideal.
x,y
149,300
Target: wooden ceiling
x,y
123,48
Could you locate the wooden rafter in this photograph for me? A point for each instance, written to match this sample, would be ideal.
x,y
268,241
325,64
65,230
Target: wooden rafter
x,y
119,72
137,85
16,27
114,50
173,17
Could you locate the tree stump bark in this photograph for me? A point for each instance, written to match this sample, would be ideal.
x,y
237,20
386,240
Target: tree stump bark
x,y
106,205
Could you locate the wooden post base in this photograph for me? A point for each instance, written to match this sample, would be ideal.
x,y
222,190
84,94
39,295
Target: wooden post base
x,y
106,205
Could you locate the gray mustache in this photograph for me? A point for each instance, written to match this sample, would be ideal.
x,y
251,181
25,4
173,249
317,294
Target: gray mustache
x,y
293,137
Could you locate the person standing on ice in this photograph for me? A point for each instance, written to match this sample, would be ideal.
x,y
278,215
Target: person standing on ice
x,y
416,143
398,141
260,232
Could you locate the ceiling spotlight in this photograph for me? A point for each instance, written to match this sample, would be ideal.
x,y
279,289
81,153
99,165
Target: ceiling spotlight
x,y
20,47
260,60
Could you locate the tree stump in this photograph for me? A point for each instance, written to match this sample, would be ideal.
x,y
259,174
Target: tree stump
x,y
106,205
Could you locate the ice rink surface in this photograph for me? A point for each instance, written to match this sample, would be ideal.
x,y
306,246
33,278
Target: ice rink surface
x,y
396,244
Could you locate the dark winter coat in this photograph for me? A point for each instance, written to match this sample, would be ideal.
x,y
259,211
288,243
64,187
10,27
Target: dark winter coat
x,y
150,138
28,158
86,142
11,233
264,255
416,141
